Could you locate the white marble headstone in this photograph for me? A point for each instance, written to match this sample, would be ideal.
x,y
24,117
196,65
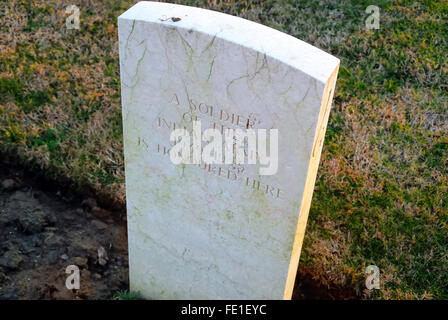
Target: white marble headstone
x,y
217,231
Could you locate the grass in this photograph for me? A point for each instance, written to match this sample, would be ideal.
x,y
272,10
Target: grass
x,y
381,193
126,295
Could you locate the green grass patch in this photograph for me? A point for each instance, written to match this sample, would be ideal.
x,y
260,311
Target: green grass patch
x,y
126,295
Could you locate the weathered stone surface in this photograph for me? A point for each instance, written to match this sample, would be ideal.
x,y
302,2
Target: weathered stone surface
x,y
218,231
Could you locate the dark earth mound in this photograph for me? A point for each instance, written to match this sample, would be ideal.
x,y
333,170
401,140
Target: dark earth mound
x,y
41,233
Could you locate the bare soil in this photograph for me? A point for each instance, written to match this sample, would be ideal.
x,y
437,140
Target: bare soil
x,y
42,231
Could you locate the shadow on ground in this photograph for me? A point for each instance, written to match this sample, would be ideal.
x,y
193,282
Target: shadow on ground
x,y
309,287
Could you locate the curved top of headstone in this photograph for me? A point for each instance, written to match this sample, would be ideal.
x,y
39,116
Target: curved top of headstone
x,y
278,45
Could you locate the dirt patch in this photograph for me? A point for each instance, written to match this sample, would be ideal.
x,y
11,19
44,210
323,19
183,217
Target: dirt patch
x,y
43,231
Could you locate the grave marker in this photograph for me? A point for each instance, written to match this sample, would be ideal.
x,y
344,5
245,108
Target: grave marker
x,y
217,231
